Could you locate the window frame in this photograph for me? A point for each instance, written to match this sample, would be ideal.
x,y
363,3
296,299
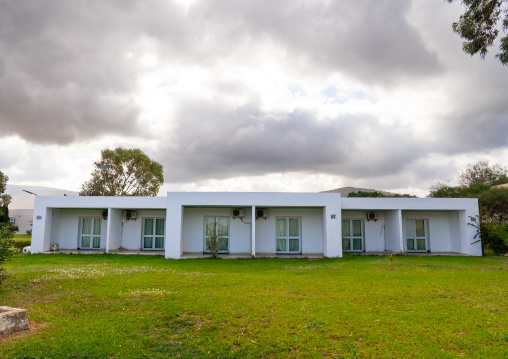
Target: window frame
x,y
287,237
352,237
91,235
205,233
415,237
154,236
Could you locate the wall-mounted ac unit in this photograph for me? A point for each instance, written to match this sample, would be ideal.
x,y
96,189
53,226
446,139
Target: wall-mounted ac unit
x,y
261,213
130,215
54,247
237,212
372,216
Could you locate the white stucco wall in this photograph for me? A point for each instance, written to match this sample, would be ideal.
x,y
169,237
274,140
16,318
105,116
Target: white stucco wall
x,y
193,229
66,226
115,229
373,231
132,229
441,229
311,225
24,218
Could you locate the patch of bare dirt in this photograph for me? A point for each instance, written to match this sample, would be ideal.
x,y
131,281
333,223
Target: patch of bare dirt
x,y
33,326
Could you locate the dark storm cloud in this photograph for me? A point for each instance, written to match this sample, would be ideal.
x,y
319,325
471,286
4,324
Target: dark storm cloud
x,y
215,142
64,75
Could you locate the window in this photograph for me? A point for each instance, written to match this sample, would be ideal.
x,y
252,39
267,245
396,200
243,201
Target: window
x,y
12,220
153,233
416,236
352,235
220,227
90,233
288,235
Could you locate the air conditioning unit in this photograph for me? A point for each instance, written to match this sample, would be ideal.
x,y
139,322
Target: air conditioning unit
x,y
130,215
261,213
372,216
237,212
54,247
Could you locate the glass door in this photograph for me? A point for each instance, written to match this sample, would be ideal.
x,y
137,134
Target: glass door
x,y
90,233
288,235
416,235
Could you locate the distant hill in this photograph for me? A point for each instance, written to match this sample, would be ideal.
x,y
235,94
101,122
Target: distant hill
x,y
24,200
345,191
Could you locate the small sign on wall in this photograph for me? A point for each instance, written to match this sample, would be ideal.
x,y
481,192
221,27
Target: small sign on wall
x,y
333,216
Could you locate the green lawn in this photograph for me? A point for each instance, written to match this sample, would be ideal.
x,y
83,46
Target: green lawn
x,y
22,237
114,306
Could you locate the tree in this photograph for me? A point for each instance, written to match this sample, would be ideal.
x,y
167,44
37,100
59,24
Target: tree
x,y
124,172
482,172
478,26
378,194
3,182
5,199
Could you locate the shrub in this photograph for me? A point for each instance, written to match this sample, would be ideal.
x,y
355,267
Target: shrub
x,y
6,252
495,236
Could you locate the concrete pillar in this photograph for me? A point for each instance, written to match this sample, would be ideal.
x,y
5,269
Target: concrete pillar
x,y
253,232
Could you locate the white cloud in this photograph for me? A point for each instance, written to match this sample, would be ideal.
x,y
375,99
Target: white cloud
x,y
289,95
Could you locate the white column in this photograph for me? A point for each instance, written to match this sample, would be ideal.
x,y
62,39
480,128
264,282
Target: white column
x,y
253,232
332,228
393,231
174,222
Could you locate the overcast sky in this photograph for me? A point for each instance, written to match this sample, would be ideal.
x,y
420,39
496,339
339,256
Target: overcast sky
x,y
286,95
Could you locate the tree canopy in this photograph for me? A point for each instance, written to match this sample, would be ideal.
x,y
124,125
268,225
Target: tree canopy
x,y
124,172
3,182
5,199
377,194
482,172
479,27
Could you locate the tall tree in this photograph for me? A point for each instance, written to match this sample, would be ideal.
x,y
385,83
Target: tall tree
x,y
4,199
479,27
124,172
483,172
3,182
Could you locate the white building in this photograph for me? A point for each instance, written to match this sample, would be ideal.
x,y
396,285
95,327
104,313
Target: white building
x,y
255,224
21,208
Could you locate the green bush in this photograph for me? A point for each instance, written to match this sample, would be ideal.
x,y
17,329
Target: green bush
x,y
21,243
6,252
495,236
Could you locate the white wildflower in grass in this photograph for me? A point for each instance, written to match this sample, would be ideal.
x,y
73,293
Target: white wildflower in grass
x,y
97,270
152,292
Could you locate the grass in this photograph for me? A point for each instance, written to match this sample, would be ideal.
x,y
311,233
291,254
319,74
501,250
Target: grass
x,y
114,306
27,237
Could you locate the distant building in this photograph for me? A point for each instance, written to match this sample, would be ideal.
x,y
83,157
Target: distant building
x,y
21,208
